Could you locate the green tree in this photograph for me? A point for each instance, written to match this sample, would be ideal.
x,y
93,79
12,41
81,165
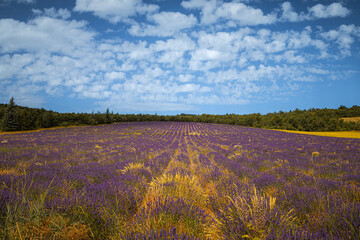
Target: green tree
x,y
47,119
107,117
27,119
276,121
11,120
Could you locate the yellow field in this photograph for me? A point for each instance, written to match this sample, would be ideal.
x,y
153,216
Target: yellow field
x,y
345,134
351,119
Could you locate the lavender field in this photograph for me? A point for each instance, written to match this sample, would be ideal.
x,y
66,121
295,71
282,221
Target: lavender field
x,y
172,180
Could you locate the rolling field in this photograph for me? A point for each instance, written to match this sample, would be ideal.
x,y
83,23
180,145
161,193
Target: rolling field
x,y
172,180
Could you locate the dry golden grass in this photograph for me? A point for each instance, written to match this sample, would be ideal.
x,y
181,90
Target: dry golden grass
x,y
37,130
50,227
178,186
8,171
132,166
344,134
351,119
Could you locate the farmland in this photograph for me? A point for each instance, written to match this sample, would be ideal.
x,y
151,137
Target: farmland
x,y
342,134
177,180
351,119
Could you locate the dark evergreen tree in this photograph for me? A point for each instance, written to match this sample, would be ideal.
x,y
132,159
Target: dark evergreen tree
x,y
11,120
107,117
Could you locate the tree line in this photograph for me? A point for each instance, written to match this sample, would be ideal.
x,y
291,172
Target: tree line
x,y
18,118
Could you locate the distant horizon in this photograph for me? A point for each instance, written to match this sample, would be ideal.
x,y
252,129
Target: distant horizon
x,y
189,113
171,57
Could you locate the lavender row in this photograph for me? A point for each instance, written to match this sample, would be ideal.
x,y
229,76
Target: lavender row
x,y
129,177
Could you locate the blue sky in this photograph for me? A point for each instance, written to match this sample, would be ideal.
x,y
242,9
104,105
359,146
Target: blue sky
x,y
171,57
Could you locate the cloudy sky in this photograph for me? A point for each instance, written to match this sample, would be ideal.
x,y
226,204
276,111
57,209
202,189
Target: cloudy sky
x,y
170,57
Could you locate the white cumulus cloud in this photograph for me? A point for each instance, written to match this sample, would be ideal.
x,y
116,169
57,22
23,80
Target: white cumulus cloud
x,y
114,10
243,15
316,12
237,12
343,36
332,10
53,13
165,24
44,34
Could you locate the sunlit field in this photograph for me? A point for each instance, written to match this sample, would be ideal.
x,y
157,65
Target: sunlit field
x,y
172,180
342,134
351,119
